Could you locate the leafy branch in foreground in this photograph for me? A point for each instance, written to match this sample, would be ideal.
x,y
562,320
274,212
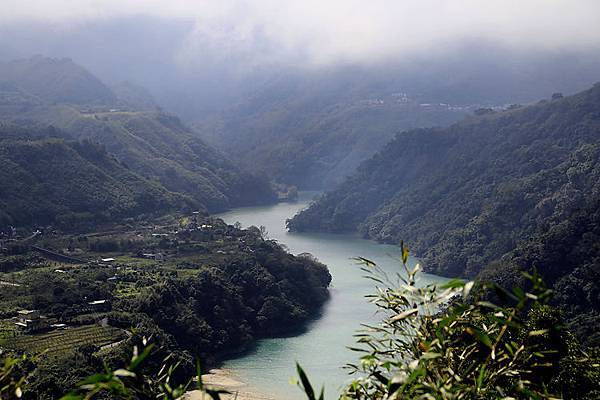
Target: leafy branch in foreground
x,y
132,383
12,375
437,342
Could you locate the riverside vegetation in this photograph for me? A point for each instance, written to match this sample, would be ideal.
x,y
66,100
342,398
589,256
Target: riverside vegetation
x,y
433,342
215,289
105,236
495,195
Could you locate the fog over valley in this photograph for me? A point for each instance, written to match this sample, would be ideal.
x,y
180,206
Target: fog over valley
x,y
254,200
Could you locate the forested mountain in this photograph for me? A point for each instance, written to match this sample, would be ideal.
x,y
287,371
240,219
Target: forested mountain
x,y
312,128
518,181
314,131
56,81
568,254
73,184
159,147
42,92
494,177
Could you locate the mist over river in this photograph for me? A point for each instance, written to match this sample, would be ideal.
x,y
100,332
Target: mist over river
x,y
321,349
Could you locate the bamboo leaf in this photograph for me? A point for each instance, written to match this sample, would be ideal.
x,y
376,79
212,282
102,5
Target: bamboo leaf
x,y
404,315
308,389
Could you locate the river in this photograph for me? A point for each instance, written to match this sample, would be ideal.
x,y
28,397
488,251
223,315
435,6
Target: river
x,y
321,349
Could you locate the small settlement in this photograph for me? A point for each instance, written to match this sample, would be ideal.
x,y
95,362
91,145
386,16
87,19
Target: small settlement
x,y
77,279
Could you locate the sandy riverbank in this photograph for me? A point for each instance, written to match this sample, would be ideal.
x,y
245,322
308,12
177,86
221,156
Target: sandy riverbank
x,y
224,379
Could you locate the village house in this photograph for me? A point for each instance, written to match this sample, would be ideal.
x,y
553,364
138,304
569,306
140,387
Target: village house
x,y
31,321
100,305
154,256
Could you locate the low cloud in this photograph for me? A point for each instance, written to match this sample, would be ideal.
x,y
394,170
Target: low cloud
x,y
317,32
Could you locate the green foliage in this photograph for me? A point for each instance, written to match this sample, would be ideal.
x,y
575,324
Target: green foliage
x,y
439,342
305,385
12,377
568,255
72,184
433,342
131,382
208,303
223,309
521,184
92,161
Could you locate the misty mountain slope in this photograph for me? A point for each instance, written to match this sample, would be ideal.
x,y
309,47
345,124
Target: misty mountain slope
x,y
153,144
313,132
313,127
465,195
316,145
135,97
73,183
56,81
159,147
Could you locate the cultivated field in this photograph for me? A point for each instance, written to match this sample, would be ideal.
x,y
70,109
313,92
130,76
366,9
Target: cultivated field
x,y
61,341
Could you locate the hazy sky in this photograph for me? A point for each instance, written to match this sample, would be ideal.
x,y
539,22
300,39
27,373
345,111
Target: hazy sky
x,y
321,32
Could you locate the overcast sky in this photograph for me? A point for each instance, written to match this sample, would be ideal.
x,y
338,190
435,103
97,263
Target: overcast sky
x,y
321,32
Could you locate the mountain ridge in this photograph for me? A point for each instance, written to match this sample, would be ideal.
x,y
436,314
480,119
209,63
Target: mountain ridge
x,y
154,145
489,198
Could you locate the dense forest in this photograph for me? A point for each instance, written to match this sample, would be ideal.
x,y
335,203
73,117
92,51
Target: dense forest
x,y
522,184
148,142
313,131
568,255
214,295
74,184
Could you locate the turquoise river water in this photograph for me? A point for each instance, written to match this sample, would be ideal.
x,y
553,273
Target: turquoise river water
x,y
321,349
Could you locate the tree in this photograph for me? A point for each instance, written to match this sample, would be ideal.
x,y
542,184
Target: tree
x,y
440,342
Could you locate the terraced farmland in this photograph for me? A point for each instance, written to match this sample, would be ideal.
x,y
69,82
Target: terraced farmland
x,y
8,331
61,341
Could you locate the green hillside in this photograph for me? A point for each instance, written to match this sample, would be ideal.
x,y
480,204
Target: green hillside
x,y
159,147
568,254
152,144
523,184
484,183
56,81
73,184
313,133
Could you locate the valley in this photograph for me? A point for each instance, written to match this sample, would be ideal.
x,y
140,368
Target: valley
x,y
322,347
297,200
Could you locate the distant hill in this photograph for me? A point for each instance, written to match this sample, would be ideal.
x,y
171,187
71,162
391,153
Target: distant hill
x,y
520,186
152,144
314,131
159,147
132,96
56,81
47,181
467,194
313,127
